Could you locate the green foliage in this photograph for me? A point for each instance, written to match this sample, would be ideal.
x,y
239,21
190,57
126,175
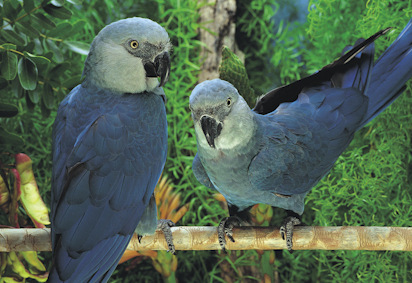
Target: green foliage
x,y
367,186
272,48
231,69
8,110
32,50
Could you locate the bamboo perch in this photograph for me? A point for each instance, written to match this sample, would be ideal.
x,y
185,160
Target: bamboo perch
x,y
247,238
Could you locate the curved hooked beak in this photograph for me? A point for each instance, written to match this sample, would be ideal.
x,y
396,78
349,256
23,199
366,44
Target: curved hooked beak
x,y
159,68
211,128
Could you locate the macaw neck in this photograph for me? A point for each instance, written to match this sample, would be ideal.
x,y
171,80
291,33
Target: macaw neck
x,y
237,131
147,85
91,94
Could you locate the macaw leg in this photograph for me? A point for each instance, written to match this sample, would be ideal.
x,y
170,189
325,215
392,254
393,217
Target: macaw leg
x,y
149,223
164,225
286,230
236,218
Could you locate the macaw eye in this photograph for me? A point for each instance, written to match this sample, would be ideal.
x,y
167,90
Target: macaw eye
x,y
134,44
229,102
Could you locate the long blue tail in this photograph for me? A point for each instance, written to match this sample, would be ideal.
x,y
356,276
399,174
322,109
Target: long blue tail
x,y
389,75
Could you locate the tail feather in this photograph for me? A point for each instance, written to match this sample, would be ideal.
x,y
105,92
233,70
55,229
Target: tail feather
x,y
350,70
389,75
357,71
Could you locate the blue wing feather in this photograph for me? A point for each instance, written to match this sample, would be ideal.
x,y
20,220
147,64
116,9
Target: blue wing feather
x,y
200,173
328,114
305,137
109,151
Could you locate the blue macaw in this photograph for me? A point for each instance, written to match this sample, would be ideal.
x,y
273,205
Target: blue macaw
x,y
275,153
109,150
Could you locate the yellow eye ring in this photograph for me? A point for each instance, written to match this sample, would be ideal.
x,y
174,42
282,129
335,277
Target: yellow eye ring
x,y
134,44
229,102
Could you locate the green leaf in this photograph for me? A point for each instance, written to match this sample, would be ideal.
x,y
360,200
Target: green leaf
x,y
78,47
9,66
27,71
58,3
48,55
62,30
3,83
232,69
8,138
27,29
72,81
57,54
16,88
8,110
10,11
58,12
28,5
58,71
42,21
48,97
13,37
29,103
78,26
75,2
34,96
38,48
45,112
38,60
9,46
14,3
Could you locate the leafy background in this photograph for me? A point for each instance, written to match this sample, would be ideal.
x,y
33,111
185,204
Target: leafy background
x,y
282,41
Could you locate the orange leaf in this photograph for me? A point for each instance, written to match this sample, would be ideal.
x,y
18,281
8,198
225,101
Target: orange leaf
x,y
128,255
180,213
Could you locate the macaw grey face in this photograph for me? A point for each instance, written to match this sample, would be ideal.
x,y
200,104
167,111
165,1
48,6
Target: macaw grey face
x,y
221,116
129,55
157,67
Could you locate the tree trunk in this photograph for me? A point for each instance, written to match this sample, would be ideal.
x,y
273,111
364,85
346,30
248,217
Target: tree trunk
x,y
218,19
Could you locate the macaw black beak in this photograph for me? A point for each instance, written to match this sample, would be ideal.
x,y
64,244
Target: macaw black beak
x,y
162,64
159,68
211,128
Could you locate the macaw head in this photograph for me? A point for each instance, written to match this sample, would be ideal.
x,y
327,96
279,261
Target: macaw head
x,y
222,118
128,56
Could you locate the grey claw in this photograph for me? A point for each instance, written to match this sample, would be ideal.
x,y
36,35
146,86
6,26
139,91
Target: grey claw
x,y
164,225
225,228
282,231
221,234
286,230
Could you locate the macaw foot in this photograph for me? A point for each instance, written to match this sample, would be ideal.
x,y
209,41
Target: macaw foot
x,y
225,228
164,225
286,230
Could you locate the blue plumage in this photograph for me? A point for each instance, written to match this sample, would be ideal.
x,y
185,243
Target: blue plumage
x,y
107,179
109,149
275,153
391,71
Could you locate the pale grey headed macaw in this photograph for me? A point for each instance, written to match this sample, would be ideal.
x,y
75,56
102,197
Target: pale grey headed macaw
x,y
109,149
276,153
